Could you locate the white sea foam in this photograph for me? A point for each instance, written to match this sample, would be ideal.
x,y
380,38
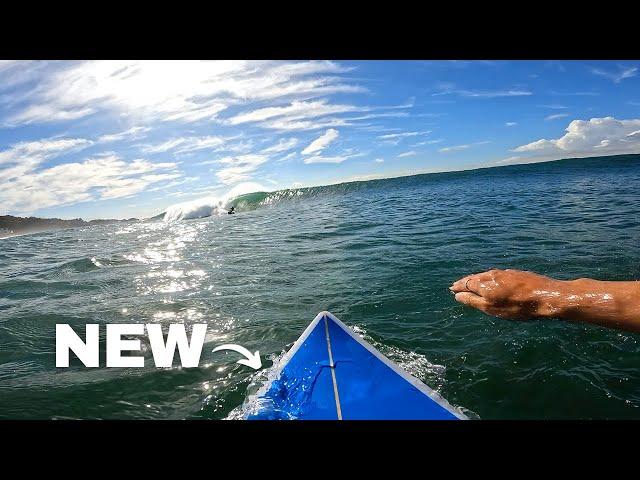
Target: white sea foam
x,y
209,206
202,207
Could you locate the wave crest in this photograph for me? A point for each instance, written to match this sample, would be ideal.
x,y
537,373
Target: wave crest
x,y
209,206
250,195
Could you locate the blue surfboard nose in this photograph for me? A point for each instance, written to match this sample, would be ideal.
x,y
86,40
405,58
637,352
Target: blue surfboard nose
x,y
331,373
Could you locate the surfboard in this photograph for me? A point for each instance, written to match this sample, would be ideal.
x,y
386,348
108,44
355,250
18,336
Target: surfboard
x,y
331,373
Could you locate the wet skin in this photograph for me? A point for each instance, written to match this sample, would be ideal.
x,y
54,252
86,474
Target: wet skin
x,y
519,295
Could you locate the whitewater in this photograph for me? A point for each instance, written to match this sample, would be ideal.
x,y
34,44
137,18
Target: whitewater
x,y
209,206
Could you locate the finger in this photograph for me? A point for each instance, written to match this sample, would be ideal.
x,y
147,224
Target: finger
x,y
470,283
459,285
474,284
472,300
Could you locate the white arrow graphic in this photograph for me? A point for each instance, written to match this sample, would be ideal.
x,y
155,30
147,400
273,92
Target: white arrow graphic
x,y
252,360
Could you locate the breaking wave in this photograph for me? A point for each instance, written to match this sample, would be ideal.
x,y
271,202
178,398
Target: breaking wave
x,y
249,196
209,206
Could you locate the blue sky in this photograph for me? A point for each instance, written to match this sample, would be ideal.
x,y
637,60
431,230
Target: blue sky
x,y
124,138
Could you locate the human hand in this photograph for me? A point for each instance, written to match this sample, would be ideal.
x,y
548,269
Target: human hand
x,y
512,294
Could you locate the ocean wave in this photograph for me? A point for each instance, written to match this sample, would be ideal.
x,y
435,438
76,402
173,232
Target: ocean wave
x,y
210,206
249,196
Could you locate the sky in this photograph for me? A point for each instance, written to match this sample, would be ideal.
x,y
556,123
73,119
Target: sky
x,y
120,139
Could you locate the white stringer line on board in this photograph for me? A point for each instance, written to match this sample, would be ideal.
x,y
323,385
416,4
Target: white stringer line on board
x,y
333,369
432,394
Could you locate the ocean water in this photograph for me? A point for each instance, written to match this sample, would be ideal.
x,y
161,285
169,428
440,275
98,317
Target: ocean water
x,y
380,255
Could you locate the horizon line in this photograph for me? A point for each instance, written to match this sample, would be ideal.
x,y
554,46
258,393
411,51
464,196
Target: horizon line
x,y
356,180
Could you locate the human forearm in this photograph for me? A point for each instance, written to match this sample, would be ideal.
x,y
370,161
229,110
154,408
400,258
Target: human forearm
x,y
523,295
611,304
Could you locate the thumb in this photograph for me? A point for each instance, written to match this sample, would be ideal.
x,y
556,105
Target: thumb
x,y
472,300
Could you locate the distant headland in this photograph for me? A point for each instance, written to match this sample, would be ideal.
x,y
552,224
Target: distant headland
x,y
10,225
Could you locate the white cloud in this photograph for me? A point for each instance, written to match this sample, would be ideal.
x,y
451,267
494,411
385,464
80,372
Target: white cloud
x,y
243,146
495,94
130,134
457,148
287,157
173,184
23,157
450,89
410,153
240,148
379,128
556,116
285,124
164,146
334,159
298,123
427,142
321,142
598,136
93,179
312,115
282,146
508,160
47,113
370,116
184,91
379,160
35,152
252,159
16,72
186,144
511,124
616,77
396,138
192,144
232,175
240,167
390,136
294,111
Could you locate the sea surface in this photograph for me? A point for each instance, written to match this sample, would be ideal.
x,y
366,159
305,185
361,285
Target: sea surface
x,y
380,255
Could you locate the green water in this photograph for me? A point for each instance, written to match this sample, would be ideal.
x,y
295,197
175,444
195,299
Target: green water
x,y
380,255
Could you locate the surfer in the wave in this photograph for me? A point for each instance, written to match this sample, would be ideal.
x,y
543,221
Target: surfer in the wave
x,y
231,211
518,295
